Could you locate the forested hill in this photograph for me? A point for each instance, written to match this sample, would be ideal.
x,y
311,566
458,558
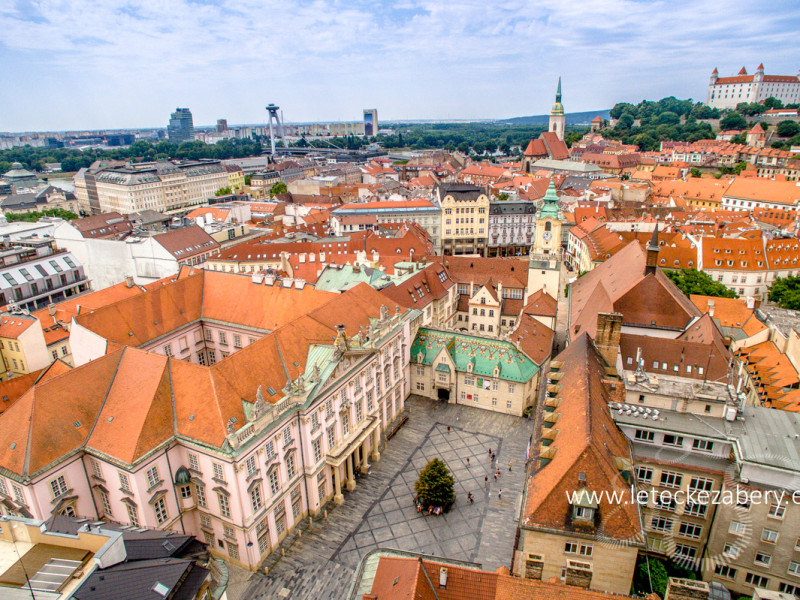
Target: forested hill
x,y
578,118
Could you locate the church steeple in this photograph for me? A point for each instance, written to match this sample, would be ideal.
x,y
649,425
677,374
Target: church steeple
x,y
557,117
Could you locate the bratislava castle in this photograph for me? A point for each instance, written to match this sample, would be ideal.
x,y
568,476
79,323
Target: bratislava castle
x,y
727,92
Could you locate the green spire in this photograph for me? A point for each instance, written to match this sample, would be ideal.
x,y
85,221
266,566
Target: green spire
x,y
558,91
550,202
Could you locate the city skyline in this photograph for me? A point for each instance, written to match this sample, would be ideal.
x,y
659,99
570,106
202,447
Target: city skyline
x,y
128,67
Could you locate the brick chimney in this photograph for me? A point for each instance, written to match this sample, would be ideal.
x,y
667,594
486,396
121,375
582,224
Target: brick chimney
x,y
579,574
609,328
711,305
686,589
652,253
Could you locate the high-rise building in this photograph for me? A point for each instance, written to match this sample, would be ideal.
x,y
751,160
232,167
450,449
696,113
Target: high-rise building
x,y
370,121
222,125
180,128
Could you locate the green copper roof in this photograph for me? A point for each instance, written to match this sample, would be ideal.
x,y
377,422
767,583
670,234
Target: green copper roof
x,y
558,108
484,354
550,203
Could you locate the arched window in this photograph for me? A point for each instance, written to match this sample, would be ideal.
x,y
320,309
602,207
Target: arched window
x,y
547,226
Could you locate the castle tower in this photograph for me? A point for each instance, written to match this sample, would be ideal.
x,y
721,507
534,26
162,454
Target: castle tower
x,y
557,118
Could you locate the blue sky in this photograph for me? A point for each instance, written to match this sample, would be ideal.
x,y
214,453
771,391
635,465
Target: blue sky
x,y
80,64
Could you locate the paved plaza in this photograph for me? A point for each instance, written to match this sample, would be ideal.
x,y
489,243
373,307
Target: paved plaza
x,y
380,512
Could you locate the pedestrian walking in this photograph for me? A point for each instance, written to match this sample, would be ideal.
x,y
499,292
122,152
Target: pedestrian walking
x,y
500,493
486,482
448,429
490,451
495,475
509,466
493,456
468,461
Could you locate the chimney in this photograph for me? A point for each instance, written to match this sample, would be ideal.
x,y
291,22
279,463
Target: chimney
x,y
652,254
750,302
51,309
129,281
534,565
579,574
711,305
443,577
500,291
609,328
686,589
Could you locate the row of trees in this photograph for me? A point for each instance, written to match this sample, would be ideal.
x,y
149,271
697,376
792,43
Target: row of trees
x,y
72,159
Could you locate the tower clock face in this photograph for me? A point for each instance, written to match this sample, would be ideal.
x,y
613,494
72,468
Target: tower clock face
x,y
547,236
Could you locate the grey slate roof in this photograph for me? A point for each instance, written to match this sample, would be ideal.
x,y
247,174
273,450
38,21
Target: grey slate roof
x,y
137,580
512,208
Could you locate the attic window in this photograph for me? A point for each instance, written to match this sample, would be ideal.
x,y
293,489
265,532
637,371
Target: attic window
x,y
77,424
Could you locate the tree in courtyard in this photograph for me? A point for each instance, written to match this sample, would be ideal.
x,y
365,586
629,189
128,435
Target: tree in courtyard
x,y
785,292
692,281
223,191
695,172
650,576
278,188
435,486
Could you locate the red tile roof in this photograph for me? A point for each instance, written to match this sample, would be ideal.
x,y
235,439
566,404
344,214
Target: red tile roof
x,y
587,450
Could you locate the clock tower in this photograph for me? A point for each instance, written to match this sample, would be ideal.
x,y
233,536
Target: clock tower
x,y
547,239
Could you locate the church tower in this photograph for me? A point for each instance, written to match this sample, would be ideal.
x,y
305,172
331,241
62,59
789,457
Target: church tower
x,y
547,239
558,120
544,261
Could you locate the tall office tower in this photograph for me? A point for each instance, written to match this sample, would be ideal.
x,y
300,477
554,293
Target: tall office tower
x,y
222,125
180,128
370,121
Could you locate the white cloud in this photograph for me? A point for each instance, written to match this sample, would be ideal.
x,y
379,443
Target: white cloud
x,y
117,63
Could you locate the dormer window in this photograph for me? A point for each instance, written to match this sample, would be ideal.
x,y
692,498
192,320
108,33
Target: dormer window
x,y
584,506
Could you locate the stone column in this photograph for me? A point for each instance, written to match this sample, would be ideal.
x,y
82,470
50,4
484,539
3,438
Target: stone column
x,y
338,498
376,439
351,480
364,468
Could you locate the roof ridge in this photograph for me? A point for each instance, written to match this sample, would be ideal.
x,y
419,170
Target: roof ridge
x,y
172,398
105,396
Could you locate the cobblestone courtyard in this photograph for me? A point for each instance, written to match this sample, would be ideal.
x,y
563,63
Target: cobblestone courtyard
x,y
380,512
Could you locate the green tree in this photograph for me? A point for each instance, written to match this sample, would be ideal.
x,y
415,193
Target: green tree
x,y
650,576
502,196
788,128
248,178
785,292
223,191
772,102
695,172
625,121
278,188
669,118
692,281
32,217
435,486
733,121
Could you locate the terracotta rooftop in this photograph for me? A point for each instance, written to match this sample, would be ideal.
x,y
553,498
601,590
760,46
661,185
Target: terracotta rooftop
x,y
128,401
587,450
510,272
